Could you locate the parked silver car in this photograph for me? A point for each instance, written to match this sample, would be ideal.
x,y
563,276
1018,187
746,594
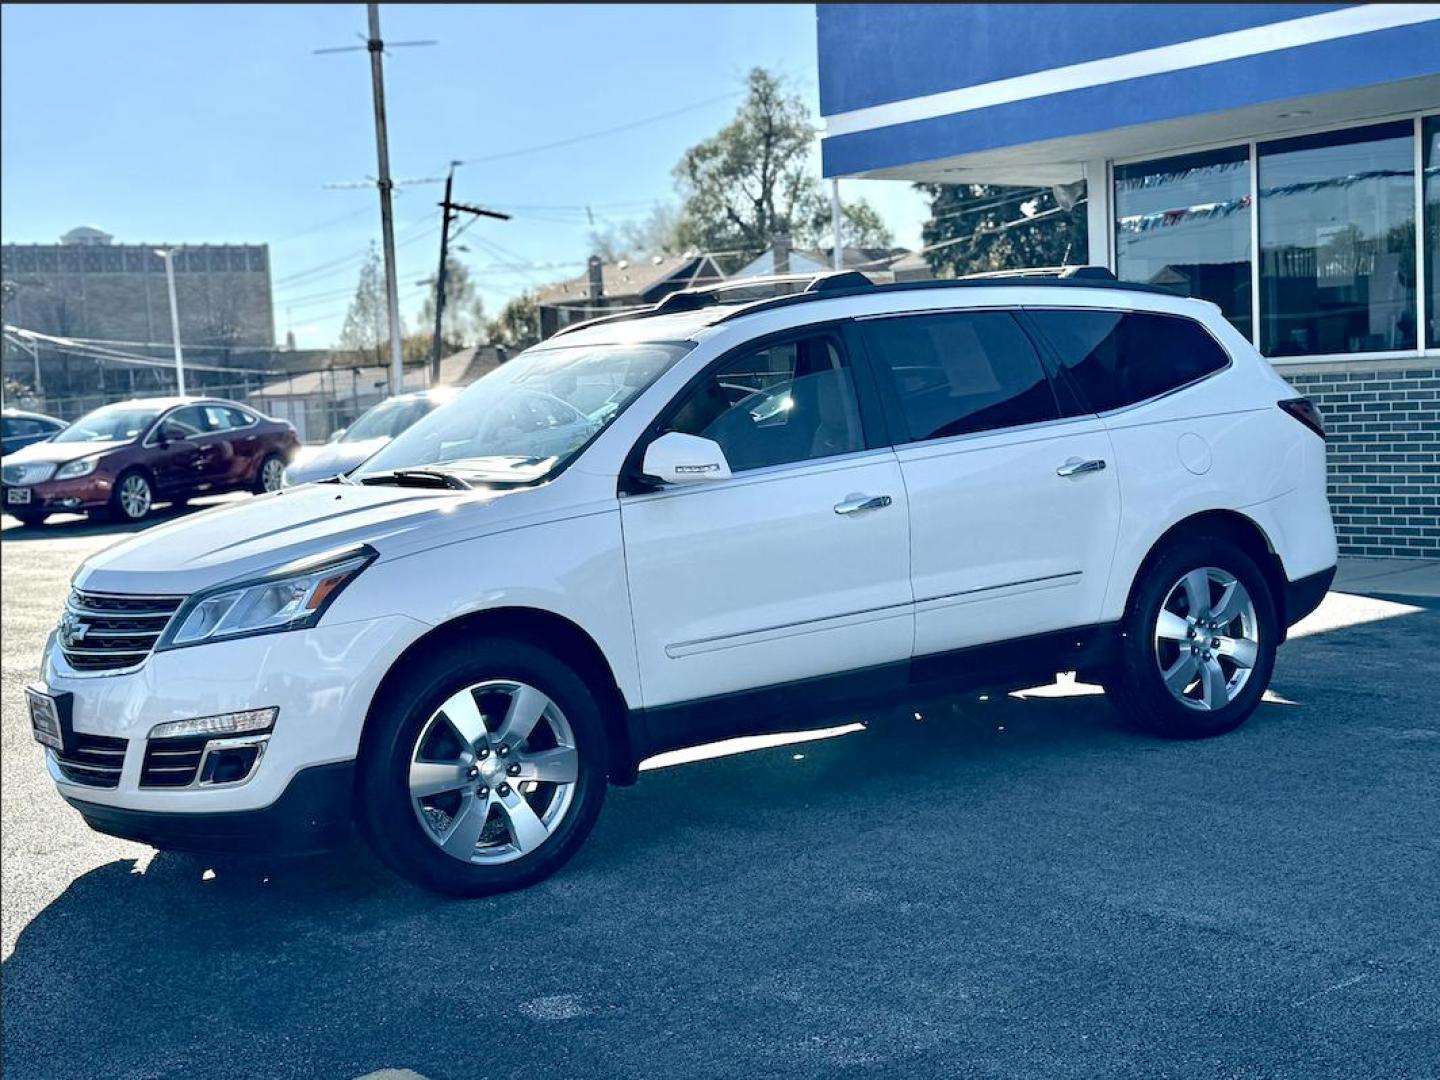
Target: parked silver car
x,y
373,429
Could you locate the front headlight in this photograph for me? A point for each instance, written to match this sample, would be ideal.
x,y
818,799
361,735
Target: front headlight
x,y
292,597
79,467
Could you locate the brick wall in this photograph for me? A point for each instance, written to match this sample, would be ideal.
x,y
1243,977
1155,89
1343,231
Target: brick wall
x,y
1384,452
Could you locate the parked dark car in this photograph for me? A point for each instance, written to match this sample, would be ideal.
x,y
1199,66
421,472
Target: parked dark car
x,y
20,428
374,428
120,460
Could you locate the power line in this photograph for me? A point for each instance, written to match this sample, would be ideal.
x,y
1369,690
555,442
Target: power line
x,y
617,129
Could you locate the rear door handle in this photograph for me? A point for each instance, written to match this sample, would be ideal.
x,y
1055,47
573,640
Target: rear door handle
x,y
1074,467
856,503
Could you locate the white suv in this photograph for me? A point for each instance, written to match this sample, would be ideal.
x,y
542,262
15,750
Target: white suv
x,y
724,515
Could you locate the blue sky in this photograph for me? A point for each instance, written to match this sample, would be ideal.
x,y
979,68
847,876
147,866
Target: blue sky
x,y
218,124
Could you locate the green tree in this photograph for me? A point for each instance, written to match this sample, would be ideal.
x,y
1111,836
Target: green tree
x,y
755,180
464,320
518,324
366,329
985,227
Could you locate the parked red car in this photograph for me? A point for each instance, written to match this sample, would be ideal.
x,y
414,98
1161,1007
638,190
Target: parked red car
x,y
120,460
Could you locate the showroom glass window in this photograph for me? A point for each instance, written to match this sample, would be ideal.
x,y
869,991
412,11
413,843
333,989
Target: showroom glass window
x,y
1430,130
1337,242
1185,222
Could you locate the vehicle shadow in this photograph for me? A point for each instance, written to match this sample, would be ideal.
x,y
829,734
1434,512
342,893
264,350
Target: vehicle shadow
x,y
986,810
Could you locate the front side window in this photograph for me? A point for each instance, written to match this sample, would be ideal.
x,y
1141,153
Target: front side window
x,y
112,423
960,373
185,423
1337,242
1184,222
787,402
1118,358
529,417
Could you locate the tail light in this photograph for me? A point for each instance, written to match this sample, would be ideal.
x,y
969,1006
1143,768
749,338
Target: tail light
x,y
1304,410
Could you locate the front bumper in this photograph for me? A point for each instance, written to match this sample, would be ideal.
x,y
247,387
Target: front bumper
x,y
321,680
313,813
83,493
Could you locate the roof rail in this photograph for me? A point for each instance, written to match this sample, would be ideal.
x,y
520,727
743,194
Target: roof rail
x,y
853,283
772,286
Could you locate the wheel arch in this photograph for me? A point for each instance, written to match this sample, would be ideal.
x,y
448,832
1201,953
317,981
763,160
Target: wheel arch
x,y
1244,532
555,634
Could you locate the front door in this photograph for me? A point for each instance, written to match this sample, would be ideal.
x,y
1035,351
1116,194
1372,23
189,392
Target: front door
x,y
177,457
1014,508
776,574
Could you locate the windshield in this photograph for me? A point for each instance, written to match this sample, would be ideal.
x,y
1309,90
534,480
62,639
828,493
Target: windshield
x,y
528,417
112,423
387,419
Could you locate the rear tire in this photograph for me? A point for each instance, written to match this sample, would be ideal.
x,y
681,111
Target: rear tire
x,y
530,717
271,474
1198,642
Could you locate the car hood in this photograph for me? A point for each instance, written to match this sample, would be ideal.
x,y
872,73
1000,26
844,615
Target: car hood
x,y
332,459
59,453
243,539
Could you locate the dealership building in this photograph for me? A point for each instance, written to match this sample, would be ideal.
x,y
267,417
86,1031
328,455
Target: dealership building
x,y
1280,160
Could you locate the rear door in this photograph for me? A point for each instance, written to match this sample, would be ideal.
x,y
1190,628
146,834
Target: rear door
x,y
1014,506
774,575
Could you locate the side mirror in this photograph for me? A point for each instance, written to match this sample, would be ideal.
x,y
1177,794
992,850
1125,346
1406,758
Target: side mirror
x,y
337,434
676,458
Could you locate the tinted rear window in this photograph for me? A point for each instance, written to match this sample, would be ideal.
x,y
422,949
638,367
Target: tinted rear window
x,y
959,373
1118,358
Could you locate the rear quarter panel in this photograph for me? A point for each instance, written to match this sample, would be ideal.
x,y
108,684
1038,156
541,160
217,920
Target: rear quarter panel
x,y
1220,444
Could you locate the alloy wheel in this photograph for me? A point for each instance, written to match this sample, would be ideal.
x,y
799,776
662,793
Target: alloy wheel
x,y
135,497
1207,638
493,772
272,474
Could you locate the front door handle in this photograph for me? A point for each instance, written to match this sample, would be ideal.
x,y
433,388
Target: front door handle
x,y
1075,467
856,503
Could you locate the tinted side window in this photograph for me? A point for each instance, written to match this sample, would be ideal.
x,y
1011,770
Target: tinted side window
x,y
217,418
185,423
1118,358
961,373
238,418
776,405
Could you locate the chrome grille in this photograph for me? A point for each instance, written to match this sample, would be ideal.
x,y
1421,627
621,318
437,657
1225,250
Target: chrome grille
x,y
95,761
173,762
24,473
111,631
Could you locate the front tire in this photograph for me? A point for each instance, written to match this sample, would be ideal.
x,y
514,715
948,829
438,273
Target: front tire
x,y
484,768
132,498
1198,643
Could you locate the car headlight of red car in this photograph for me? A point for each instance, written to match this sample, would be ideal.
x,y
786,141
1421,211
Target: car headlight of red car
x,y
79,467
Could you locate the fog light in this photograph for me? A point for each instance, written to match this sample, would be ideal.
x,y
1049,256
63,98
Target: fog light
x,y
247,722
229,765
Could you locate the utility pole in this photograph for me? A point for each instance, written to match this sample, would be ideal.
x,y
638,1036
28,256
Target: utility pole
x,y
168,254
376,48
387,217
448,209
837,256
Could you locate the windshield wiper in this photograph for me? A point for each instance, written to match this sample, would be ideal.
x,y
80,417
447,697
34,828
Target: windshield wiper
x,y
427,478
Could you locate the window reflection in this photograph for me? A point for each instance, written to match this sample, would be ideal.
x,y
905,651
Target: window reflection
x,y
1185,222
1337,242
1431,140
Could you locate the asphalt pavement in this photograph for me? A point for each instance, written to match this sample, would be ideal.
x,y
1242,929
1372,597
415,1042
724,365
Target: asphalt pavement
x,y
1011,887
